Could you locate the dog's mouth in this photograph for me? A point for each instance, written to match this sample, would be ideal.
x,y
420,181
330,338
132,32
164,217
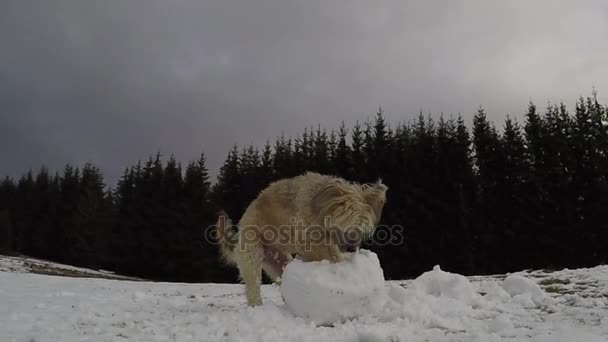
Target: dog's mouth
x,y
350,246
351,249
351,240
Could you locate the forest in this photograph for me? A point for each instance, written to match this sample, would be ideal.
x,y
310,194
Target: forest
x,y
482,198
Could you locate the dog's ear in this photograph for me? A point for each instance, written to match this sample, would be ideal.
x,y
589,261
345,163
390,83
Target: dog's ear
x,y
375,196
376,190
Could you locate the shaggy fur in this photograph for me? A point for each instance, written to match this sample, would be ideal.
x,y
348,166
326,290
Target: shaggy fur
x,y
312,216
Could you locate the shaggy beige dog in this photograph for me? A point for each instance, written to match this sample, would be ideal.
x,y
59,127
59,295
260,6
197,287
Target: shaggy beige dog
x,y
312,216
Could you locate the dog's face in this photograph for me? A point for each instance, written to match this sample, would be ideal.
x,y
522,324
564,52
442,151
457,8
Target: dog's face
x,y
375,197
350,211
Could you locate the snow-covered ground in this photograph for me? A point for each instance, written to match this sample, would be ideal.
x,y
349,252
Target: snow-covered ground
x,y
569,305
23,264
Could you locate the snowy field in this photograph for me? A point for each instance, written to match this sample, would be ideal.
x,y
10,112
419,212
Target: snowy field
x,y
24,264
569,305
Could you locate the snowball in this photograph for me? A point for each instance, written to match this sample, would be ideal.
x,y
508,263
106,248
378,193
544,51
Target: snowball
x,y
438,283
515,285
524,291
326,293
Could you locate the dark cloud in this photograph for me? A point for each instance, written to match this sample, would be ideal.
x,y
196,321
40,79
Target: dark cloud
x,y
114,81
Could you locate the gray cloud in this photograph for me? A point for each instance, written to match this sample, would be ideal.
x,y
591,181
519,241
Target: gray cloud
x,y
114,81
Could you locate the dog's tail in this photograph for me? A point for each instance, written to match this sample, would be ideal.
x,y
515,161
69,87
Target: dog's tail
x,y
227,237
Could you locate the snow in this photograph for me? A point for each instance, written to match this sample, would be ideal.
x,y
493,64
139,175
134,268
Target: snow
x,y
570,305
24,264
438,283
327,293
524,291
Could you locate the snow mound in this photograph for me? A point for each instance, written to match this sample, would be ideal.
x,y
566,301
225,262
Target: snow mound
x,y
438,283
436,299
325,293
524,291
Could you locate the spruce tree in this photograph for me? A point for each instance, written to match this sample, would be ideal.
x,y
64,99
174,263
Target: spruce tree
x,y
358,153
266,170
490,172
250,172
172,184
6,232
90,219
7,196
370,168
381,148
343,157
283,158
197,184
228,187
321,152
516,219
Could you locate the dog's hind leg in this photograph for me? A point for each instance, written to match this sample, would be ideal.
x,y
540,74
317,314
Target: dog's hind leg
x,y
249,258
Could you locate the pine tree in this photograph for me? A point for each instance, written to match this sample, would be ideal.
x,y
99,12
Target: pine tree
x,y
343,157
7,194
283,159
490,172
228,187
321,152
514,149
534,137
41,232
332,146
358,153
250,172
516,219
152,179
555,169
21,216
173,184
381,148
6,231
266,170
91,219
370,169
197,185
300,155
485,141
70,196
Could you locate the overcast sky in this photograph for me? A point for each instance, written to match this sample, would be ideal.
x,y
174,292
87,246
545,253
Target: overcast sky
x,y
114,81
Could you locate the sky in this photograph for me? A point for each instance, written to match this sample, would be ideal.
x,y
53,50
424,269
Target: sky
x,y
114,81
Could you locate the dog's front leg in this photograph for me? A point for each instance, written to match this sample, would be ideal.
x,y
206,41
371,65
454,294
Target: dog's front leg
x,y
274,264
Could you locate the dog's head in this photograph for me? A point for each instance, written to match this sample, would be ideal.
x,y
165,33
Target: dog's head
x,y
350,211
375,197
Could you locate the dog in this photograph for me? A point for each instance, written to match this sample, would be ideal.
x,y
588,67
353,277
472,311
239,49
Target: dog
x,y
313,217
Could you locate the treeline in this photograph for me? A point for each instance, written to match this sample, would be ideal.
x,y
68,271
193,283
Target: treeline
x,y
481,200
151,225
